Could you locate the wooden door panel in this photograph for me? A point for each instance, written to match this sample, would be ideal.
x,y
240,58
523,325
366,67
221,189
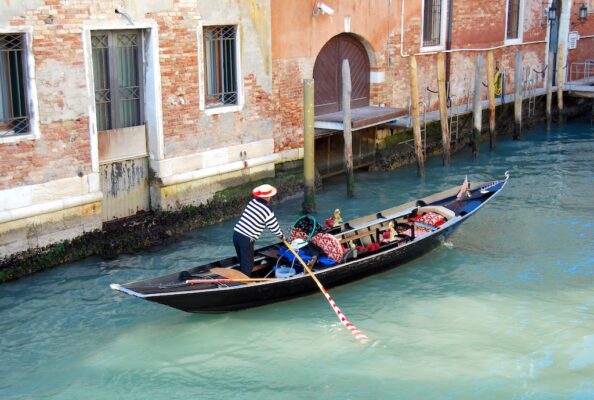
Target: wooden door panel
x,y
328,74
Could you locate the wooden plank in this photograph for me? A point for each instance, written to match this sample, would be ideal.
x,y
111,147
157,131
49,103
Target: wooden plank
x,y
518,95
560,79
414,94
549,98
477,110
309,189
491,84
348,136
443,112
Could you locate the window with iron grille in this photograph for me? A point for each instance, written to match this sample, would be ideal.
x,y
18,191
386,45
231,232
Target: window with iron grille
x,y
14,117
513,19
117,74
432,20
220,61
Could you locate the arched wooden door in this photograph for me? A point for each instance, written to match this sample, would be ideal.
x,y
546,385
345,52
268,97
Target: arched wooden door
x,y
327,74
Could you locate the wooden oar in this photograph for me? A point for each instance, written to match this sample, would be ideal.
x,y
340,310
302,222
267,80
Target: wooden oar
x,y
227,280
360,336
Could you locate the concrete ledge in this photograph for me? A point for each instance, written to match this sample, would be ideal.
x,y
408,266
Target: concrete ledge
x,y
203,185
212,158
290,155
49,207
218,170
40,230
56,190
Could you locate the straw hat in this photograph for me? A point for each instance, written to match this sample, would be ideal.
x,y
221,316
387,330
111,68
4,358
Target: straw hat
x,y
264,191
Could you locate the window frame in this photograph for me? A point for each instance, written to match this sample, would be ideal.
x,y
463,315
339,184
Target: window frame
x,y
113,81
213,110
442,28
30,87
520,37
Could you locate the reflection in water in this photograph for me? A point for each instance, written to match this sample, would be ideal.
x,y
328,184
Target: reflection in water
x,y
503,310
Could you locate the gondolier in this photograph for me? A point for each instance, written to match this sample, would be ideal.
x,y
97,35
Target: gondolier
x,y
255,217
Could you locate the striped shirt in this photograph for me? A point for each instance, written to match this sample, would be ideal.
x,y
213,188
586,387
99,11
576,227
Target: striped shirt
x,y
255,217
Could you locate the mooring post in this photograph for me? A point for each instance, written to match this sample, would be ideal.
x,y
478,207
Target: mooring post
x,y
560,79
477,110
491,82
518,96
309,187
443,111
414,97
348,136
549,99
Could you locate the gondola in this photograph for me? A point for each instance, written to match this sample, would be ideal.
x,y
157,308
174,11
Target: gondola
x,y
344,253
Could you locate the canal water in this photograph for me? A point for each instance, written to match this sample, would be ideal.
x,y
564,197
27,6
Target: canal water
x,y
504,310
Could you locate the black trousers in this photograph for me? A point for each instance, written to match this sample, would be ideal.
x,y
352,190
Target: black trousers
x,y
244,247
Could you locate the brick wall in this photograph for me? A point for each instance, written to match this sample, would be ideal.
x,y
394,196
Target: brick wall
x,y
63,149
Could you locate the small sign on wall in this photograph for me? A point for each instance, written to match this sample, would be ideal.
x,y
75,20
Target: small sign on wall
x,y
572,40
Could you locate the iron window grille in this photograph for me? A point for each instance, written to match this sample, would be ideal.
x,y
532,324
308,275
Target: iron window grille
x,y
432,23
118,78
513,19
220,61
14,116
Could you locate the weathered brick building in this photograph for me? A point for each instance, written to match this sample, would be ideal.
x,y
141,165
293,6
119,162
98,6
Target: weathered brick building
x,y
109,107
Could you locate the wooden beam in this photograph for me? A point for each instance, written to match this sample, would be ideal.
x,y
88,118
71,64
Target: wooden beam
x,y
560,79
549,85
414,95
309,187
443,111
518,95
348,135
491,83
477,110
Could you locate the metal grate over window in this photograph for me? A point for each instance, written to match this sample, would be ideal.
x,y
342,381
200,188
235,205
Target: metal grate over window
x,y
513,19
14,117
117,75
432,23
220,43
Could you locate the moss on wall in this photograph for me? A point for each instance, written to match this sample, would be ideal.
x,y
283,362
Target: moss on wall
x,y
146,228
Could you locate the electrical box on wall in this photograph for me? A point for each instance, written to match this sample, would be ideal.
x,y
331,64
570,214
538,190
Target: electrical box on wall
x,y
572,40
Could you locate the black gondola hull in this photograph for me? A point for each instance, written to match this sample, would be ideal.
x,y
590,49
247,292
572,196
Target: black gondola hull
x,y
178,293
247,296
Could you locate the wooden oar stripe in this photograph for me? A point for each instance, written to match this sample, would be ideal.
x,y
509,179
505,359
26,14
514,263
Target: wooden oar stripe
x,y
360,336
356,332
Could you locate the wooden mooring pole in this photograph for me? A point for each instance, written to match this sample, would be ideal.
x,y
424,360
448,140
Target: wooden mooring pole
x,y
309,187
549,99
518,96
414,98
491,83
348,136
560,79
443,111
477,110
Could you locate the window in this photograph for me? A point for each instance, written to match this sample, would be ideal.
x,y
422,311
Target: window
x,y
514,25
117,75
513,19
433,22
220,61
14,118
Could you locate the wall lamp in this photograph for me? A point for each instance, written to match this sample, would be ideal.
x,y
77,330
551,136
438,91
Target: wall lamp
x,y
125,15
552,12
321,8
583,13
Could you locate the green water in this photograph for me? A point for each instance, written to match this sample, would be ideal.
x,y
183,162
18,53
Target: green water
x,y
504,310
